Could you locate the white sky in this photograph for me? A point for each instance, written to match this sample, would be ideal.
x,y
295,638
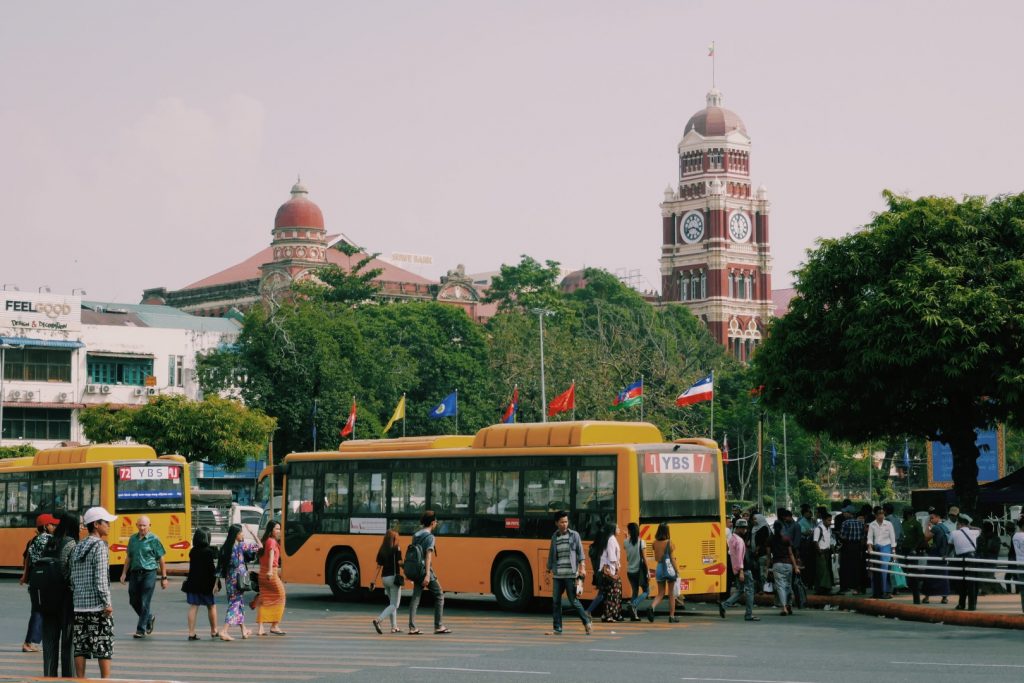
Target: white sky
x,y
149,144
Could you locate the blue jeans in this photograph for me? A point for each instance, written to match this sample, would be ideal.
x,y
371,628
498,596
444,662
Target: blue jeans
x,y
140,592
34,634
881,582
745,589
634,583
783,573
568,586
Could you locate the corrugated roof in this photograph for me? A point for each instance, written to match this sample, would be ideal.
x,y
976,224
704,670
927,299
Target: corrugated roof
x,y
150,315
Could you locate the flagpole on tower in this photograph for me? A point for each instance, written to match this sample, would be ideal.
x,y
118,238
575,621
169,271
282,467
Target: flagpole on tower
x,y
711,53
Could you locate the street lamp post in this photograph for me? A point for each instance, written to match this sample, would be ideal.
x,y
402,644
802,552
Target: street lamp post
x,y
541,313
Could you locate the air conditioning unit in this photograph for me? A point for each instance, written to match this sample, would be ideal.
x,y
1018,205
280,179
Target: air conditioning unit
x,y
91,388
62,397
14,396
104,388
138,391
152,391
29,395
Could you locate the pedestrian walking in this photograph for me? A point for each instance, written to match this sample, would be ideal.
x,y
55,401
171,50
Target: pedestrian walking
x,y
269,602
881,539
389,563
55,600
636,569
665,573
90,586
821,540
1018,549
45,524
965,546
567,566
742,563
144,557
201,583
609,566
913,546
937,535
783,567
427,545
233,568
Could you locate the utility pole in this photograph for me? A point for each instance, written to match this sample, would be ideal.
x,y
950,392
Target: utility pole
x,y
541,314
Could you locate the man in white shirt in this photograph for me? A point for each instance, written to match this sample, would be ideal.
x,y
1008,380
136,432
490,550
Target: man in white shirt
x,y
821,539
965,546
1018,549
882,539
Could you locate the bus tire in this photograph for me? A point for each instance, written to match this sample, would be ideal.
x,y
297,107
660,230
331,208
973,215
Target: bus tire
x,y
513,583
343,576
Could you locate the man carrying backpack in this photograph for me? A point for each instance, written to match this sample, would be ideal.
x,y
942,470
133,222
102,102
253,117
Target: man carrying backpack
x,y
45,524
419,567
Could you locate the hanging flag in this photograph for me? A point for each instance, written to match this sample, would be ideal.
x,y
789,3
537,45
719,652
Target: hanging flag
x,y
702,390
449,407
725,448
755,394
350,423
563,402
510,413
775,455
630,396
906,455
711,49
399,414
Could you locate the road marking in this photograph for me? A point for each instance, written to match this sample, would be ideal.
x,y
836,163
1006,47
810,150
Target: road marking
x,y
671,654
738,680
481,671
996,666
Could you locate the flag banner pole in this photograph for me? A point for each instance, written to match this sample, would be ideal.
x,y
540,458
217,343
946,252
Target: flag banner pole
x,y
760,462
712,404
353,421
573,385
456,411
641,398
403,416
314,424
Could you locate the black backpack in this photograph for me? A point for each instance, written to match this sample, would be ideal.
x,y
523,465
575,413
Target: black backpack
x,y
46,578
415,565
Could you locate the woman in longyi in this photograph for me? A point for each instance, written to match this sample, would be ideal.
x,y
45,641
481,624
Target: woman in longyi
x,y
270,601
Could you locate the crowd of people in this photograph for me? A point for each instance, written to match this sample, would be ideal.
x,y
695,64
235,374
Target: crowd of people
x,y
69,586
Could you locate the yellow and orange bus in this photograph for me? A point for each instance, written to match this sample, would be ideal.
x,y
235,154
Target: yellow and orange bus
x,y
495,494
128,480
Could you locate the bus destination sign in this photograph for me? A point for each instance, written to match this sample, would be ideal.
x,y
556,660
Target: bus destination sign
x,y
148,473
677,463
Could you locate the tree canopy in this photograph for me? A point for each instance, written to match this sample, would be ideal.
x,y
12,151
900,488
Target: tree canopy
x,y
910,326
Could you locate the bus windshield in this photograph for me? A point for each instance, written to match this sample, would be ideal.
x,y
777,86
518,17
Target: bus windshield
x,y
149,487
678,485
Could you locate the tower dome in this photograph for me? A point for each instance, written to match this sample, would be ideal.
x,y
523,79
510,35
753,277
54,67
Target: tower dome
x,y
715,120
299,211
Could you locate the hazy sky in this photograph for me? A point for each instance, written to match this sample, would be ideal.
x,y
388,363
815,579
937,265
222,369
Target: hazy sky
x,y
149,144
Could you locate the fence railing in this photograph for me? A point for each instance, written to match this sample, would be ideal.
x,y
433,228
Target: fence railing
x,y
951,567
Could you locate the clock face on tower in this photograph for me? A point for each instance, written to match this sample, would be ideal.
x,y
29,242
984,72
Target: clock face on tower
x,y
739,226
692,227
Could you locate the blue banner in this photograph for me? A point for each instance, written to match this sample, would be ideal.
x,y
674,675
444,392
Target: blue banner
x,y
988,459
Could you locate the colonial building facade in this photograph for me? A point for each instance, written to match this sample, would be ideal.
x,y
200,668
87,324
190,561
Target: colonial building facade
x,y
715,254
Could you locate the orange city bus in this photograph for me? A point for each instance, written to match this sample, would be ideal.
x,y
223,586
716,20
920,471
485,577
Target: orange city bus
x,y
128,480
495,495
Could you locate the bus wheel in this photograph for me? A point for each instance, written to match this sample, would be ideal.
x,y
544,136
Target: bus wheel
x,y
513,584
343,576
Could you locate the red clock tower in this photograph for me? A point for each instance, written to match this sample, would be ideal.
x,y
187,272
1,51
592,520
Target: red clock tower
x,y
715,255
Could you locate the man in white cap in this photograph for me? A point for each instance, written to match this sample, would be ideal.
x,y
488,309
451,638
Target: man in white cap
x,y
90,582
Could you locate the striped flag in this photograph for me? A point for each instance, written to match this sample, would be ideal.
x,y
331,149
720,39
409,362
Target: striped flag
x,y
702,390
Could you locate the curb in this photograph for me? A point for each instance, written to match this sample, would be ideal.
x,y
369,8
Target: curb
x,y
887,608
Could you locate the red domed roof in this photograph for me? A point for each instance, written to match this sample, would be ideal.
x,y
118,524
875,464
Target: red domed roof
x,y
715,120
299,211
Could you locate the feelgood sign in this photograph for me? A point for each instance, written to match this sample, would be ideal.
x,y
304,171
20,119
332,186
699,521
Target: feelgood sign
x,y
677,463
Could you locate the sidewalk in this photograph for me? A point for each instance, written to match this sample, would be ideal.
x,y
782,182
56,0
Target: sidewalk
x,y
994,611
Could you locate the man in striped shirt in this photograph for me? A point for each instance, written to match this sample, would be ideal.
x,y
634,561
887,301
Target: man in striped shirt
x,y
565,562
90,582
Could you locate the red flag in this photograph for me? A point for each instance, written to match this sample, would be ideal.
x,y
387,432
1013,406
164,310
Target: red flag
x,y
510,413
563,402
350,423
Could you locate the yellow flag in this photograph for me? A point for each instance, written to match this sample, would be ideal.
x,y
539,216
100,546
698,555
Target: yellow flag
x,y
399,414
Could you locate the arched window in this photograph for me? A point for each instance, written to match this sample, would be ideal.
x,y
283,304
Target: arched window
x,y
743,287
703,285
684,287
731,277
750,286
694,283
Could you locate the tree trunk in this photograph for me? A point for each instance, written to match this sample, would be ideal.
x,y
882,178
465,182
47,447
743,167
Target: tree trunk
x,y
965,467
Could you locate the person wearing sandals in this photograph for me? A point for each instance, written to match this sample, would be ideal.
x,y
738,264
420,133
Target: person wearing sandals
x,y
201,583
665,574
566,564
389,563
233,557
611,562
269,602
424,538
636,569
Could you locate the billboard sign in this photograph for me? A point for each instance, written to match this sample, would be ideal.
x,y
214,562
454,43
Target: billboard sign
x,y
991,459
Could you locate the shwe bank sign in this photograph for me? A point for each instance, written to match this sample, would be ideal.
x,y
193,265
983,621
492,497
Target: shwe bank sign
x,y
25,314
677,463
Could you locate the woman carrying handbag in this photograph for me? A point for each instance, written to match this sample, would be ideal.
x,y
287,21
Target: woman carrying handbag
x,y
389,563
665,573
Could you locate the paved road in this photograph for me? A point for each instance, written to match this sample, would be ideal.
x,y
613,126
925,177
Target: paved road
x,y
331,641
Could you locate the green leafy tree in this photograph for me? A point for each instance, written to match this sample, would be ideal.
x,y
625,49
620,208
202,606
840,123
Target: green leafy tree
x,y
215,430
526,286
22,451
913,325
809,492
353,285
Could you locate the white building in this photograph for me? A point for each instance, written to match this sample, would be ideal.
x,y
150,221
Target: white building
x,y
61,354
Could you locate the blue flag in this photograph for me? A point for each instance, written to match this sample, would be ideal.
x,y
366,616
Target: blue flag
x,y
775,454
906,455
449,407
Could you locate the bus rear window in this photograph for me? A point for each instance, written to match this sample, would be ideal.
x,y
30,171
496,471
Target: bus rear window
x,y
678,485
149,487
